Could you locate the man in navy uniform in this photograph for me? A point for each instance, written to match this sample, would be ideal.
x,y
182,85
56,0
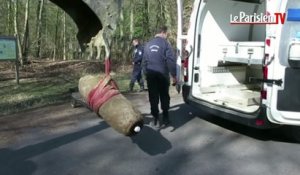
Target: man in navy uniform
x,y
159,61
137,65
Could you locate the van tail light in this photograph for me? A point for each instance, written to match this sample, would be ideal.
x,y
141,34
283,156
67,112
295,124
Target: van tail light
x,y
259,122
185,64
268,42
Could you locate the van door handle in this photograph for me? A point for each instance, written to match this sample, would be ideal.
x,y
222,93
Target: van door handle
x,y
268,81
196,68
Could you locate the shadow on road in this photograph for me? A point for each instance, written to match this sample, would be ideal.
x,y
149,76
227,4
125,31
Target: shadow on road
x,y
151,141
15,162
182,113
179,115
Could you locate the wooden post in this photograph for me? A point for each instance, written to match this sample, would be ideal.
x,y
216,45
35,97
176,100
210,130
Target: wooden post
x,y
17,72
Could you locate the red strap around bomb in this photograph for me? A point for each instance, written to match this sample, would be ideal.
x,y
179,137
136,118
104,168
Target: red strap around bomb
x,y
104,90
107,64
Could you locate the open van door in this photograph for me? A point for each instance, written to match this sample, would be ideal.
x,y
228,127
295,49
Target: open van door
x,y
284,99
180,46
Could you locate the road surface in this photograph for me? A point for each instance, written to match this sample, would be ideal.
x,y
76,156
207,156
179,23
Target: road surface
x,y
60,140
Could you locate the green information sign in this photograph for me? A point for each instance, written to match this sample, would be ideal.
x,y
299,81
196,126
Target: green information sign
x,y
8,52
8,48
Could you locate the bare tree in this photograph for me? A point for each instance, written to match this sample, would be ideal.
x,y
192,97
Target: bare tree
x,y
146,18
56,35
64,36
9,17
167,12
123,45
25,38
15,2
39,27
131,18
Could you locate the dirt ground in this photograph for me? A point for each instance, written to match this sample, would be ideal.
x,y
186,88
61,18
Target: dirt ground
x,y
47,120
12,126
45,69
44,82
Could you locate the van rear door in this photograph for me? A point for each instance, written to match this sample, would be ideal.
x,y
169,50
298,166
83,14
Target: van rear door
x,y
284,99
179,44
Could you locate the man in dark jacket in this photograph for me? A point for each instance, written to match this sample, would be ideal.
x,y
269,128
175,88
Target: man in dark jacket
x,y
137,65
159,61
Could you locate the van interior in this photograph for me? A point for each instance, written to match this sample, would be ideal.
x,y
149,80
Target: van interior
x,y
229,56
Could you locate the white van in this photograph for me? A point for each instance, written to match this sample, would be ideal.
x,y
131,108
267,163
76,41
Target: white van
x,y
243,60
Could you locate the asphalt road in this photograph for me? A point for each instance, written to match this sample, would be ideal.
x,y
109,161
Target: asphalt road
x,y
60,140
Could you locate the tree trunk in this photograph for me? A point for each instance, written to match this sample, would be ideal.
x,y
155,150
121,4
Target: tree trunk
x,y
167,14
25,50
122,37
64,36
25,38
131,19
56,35
45,23
146,20
122,23
16,30
39,28
160,14
9,18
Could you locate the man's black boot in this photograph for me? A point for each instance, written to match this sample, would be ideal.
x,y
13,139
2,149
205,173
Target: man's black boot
x,y
154,123
166,120
142,87
131,87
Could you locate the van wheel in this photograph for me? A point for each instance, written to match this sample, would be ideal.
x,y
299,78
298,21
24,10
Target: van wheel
x,y
293,133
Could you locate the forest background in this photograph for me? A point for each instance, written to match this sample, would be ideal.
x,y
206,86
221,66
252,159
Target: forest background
x,y
51,61
46,32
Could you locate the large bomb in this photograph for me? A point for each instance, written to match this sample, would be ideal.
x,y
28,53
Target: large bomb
x,y
102,95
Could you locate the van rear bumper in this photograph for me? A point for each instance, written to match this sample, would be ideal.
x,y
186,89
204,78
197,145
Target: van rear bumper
x,y
229,114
